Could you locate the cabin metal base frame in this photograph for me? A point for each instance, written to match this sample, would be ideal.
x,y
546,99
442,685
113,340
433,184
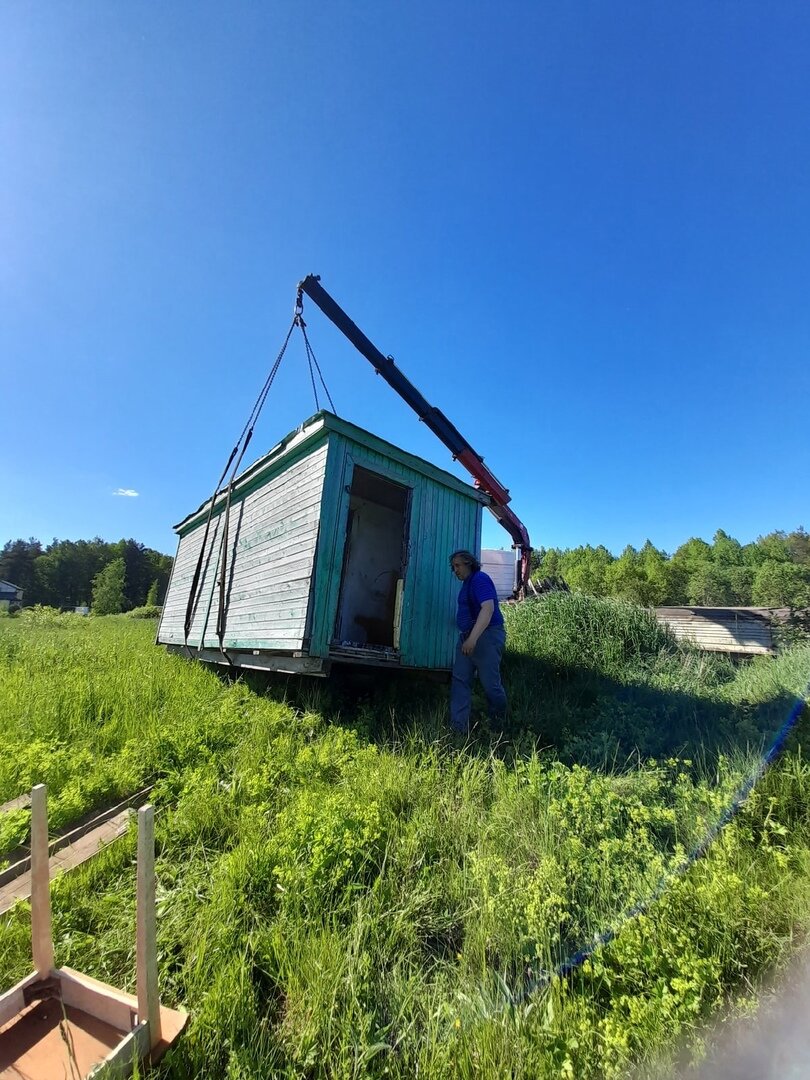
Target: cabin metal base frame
x,y
257,660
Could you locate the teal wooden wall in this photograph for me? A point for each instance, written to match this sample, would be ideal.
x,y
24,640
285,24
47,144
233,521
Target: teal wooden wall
x,y
442,520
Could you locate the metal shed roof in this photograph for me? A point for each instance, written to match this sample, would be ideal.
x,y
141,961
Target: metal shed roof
x,y
743,630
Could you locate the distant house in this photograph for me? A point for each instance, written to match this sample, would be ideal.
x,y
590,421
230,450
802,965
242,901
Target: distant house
x,y
10,596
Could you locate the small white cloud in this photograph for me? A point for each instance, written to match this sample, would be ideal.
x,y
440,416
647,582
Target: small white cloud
x,y
126,491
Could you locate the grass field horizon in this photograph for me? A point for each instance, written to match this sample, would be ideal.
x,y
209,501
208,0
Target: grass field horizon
x,y
347,890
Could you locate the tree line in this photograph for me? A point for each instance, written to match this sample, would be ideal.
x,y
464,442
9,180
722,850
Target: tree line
x,y
109,577
772,571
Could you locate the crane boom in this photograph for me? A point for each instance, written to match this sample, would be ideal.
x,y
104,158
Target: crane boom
x,y
435,419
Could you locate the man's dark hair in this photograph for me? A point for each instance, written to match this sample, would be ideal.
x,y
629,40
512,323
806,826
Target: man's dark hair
x,y
468,558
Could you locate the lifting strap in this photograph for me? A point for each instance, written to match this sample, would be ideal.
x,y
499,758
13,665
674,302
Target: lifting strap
x,y
235,459
243,441
311,360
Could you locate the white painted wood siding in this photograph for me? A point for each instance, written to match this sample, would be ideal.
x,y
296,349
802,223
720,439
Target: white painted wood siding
x,y
500,565
170,630
272,536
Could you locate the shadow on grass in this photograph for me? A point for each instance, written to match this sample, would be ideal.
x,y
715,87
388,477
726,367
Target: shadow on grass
x,y
575,714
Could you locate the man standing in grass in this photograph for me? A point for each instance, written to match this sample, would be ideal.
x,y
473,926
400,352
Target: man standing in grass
x,y
482,637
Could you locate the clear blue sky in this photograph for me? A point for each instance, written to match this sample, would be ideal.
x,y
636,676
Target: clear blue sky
x,y
582,229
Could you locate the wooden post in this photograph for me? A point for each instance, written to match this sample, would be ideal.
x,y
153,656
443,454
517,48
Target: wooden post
x,y
147,975
41,933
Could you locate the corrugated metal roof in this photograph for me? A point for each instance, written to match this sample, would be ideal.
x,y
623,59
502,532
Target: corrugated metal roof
x,y
731,630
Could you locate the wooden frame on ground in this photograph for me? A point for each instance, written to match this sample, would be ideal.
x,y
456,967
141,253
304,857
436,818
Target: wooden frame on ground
x,y
57,1022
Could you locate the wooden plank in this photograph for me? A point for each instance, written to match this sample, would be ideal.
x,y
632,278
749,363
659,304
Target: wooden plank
x,y
296,487
266,596
41,937
169,592
67,858
266,509
270,507
22,802
252,542
289,515
50,1040
261,610
284,566
285,640
293,554
289,563
264,586
258,636
72,835
398,614
121,1061
13,1000
107,1003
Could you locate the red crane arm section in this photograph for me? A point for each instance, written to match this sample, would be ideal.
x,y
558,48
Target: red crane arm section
x,y
433,417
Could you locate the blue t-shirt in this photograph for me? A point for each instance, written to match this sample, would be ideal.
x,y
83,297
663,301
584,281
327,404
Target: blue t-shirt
x,y
477,588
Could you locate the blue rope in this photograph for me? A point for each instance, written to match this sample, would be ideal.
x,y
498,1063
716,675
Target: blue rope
x,y
567,967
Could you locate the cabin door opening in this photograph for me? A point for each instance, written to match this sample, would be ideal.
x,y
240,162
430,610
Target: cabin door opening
x,y
374,562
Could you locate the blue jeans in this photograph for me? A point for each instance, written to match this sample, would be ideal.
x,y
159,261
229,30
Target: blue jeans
x,y
486,660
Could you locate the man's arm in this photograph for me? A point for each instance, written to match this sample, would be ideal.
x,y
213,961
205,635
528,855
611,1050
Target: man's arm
x,y
481,623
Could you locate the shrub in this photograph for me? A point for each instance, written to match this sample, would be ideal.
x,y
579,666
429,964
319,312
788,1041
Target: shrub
x,y
574,631
39,611
148,611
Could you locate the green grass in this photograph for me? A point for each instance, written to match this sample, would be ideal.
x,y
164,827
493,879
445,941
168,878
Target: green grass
x,y
601,681
344,891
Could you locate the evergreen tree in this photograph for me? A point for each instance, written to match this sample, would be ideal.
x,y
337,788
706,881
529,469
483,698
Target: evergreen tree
x,y
152,595
726,551
18,565
655,567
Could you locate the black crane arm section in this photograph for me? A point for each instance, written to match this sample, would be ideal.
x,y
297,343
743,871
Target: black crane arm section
x,y
435,420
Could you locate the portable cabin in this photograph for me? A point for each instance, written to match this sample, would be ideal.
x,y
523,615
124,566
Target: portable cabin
x,y
336,550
